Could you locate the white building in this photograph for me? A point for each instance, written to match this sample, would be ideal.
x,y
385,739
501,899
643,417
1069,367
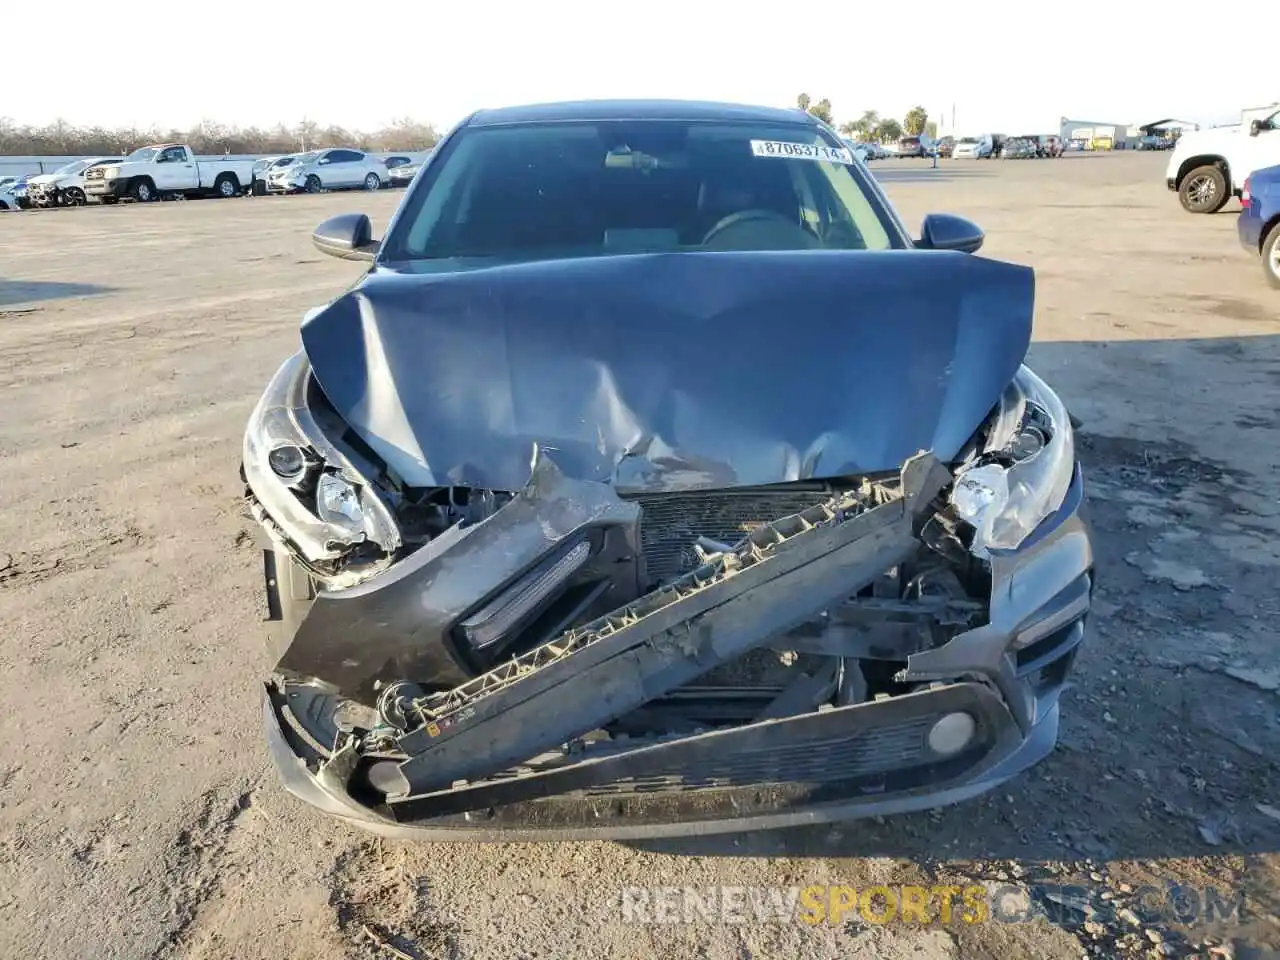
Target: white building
x,y
1097,134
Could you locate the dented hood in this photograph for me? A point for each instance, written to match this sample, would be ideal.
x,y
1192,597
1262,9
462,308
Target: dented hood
x,y
674,371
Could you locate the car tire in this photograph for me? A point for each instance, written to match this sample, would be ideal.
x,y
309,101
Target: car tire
x,y
73,197
313,184
1204,189
226,186
143,190
373,182
1271,256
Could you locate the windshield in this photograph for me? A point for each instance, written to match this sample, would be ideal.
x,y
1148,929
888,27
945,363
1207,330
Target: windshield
x,y
305,157
282,161
143,153
555,190
75,166
967,140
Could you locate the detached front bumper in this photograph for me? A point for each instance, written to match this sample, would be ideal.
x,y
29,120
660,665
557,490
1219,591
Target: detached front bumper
x,y
997,683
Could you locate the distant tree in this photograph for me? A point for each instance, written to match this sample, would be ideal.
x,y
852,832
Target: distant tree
x,y
887,131
914,122
803,102
207,137
850,128
931,129
822,110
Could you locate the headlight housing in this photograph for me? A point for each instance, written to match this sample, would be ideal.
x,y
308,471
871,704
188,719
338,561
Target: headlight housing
x,y
306,491
1025,470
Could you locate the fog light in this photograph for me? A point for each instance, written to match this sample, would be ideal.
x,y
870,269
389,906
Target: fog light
x,y
952,734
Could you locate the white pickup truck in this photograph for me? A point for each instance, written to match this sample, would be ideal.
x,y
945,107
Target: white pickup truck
x,y
1208,167
166,170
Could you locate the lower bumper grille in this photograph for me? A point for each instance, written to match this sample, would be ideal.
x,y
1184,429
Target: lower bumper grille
x,y
671,522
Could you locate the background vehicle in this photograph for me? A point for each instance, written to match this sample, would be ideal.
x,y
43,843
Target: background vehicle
x,y
1208,166
166,170
914,147
13,194
875,151
263,167
1150,142
63,187
946,146
402,175
1048,145
973,148
1259,220
335,168
1019,148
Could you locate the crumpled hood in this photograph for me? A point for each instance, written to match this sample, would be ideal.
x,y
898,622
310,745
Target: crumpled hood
x,y
674,371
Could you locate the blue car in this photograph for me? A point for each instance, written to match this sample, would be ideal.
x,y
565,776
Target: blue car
x,y
1259,221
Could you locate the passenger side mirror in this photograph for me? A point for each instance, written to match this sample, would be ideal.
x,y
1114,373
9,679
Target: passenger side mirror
x,y
942,231
1255,127
348,236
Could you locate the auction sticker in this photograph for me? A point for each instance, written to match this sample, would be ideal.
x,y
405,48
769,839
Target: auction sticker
x,y
800,151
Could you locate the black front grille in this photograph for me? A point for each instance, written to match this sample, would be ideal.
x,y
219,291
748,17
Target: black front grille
x,y
671,522
859,754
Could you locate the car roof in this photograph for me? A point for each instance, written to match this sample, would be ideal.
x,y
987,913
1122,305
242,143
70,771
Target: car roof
x,y
595,110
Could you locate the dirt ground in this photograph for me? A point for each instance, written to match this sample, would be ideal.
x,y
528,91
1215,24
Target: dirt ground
x,y
139,817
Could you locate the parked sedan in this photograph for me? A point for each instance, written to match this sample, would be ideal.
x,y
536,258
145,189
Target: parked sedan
x,y
401,170
1259,220
13,193
1019,148
262,169
539,563
64,186
337,168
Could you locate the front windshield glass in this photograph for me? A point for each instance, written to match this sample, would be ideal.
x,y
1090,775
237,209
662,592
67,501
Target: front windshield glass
x,y
305,157
967,140
143,153
282,161
557,190
75,166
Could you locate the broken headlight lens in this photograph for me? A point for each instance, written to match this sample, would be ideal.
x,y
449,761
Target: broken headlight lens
x,y
338,502
1025,473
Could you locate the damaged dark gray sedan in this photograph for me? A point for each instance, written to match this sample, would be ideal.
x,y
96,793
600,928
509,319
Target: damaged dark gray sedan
x,y
653,481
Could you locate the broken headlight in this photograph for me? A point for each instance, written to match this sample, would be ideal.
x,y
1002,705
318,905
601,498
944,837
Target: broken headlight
x,y
1024,473
310,493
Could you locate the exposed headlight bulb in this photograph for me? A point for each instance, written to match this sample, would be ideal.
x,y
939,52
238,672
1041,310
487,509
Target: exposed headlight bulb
x,y
338,502
979,496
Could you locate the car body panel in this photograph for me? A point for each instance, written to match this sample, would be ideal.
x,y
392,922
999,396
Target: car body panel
x,y
1263,209
444,389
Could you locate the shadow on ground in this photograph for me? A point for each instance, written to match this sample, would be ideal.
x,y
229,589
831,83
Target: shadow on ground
x,y
35,291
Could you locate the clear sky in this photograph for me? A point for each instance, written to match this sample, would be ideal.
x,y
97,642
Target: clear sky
x,y
1006,66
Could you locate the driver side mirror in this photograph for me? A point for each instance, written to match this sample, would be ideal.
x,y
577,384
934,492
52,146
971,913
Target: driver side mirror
x,y
348,236
942,231
1255,127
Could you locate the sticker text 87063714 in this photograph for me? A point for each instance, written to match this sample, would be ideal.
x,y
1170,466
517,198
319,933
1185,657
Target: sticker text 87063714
x,y
800,151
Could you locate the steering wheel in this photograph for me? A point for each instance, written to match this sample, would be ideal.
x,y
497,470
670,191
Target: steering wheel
x,y
745,217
